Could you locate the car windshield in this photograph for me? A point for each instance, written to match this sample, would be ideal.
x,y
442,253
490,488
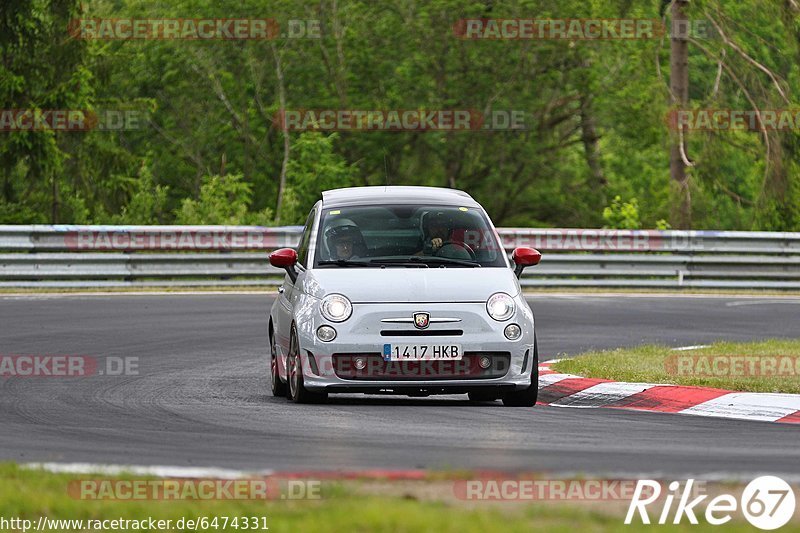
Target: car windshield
x,y
421,236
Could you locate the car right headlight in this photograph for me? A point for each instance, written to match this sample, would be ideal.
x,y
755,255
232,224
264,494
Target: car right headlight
x,y
336,307
500,306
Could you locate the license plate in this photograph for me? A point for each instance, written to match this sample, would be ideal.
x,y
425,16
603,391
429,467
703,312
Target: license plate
x,y
422,352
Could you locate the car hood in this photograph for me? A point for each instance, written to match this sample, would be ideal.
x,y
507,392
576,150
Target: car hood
x,y
397,285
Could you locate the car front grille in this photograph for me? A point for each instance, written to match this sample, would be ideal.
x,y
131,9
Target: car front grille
x,y
376,369
421,332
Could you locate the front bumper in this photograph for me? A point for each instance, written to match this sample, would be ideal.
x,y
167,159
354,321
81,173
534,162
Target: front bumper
x,y
330,366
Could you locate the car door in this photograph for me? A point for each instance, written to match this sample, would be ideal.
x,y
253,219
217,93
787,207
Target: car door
x,y
288,292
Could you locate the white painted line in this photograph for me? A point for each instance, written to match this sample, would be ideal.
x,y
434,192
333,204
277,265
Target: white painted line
x,y
551,379
762,302
155,471
603,394
748,406
52,295
687,348
714,477
591,295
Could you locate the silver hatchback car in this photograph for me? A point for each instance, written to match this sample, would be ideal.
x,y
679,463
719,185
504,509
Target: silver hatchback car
x,y
402,290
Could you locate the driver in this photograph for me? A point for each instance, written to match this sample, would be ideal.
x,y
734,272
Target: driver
x,y
342,238
436,229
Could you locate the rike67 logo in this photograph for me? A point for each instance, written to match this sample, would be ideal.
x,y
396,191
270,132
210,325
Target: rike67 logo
x,y
767,502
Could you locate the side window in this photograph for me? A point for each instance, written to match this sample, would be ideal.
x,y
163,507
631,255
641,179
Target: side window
x,y
302,250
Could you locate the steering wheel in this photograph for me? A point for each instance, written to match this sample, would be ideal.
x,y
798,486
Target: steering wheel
x,y
463,245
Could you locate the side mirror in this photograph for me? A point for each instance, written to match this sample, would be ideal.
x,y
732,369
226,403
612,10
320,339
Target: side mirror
x,y
285,258
525,257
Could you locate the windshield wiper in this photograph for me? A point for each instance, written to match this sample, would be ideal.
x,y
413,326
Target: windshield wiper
x,y
428,260
449,261
343,263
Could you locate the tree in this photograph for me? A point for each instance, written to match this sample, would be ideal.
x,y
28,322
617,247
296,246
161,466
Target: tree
x,y
679,96
41,68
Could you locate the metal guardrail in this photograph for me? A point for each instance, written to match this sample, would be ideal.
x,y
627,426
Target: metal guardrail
x,y
150,256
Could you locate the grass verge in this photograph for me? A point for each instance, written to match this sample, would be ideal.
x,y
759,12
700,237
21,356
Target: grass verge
x,y
29,494
765,366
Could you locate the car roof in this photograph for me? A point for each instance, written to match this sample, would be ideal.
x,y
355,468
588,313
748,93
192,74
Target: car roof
x,y
396,194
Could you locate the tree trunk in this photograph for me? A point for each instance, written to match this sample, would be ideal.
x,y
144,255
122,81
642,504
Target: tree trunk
x,y
286,140
679,88
591,147
54,214
7,190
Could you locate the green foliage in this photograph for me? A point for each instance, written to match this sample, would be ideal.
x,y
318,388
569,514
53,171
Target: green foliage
x,y
662,224
594,114
313,167
148,203
223,200
16,213
40,70
622,215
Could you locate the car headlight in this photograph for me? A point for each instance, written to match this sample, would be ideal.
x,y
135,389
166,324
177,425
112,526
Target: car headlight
x,y
500,306
336,308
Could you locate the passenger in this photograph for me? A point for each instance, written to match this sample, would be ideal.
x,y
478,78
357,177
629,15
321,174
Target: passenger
x,y
342,239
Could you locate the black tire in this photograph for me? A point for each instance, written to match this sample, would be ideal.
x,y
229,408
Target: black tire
x,y
479,396
278,387
296,391
527,397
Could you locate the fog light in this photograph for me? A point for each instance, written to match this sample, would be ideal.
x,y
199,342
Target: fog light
x,y
326,333
512,332
360,363
485,362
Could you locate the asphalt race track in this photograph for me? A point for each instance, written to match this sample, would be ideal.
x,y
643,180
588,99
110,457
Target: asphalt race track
x,y
201,397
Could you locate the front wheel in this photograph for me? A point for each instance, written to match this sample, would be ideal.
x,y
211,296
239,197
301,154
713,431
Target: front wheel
x,y
278,386
527,397
297,391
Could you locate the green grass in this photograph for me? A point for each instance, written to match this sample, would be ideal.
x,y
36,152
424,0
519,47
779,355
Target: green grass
x,y
659,364
29,494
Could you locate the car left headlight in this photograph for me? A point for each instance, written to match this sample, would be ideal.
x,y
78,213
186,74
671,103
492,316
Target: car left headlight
x,y
500,306
336,307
